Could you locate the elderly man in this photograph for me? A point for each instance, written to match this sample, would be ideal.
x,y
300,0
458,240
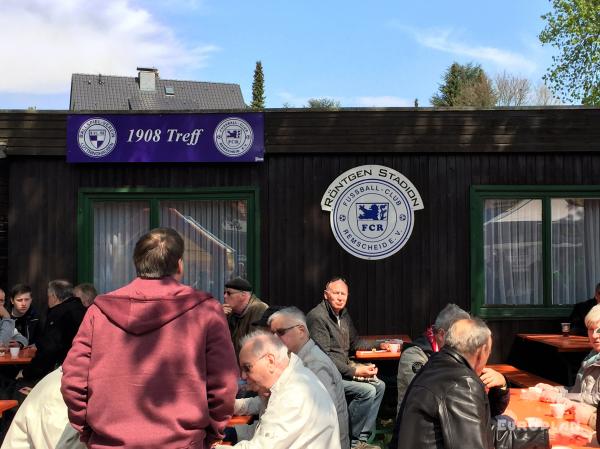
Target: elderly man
x,y
332,329
299,412
416,354
41,422
446,406
65,313
289,325
152,365
86,292
242,308
580,310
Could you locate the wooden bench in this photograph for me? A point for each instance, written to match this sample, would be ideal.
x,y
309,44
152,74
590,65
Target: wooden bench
x,y
520,378
7,404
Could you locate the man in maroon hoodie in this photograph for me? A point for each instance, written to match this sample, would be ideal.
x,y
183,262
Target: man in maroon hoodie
x,y
152,365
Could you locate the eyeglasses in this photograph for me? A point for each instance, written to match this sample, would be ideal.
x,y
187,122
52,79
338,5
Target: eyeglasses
x,y
247,367
282,332
231,292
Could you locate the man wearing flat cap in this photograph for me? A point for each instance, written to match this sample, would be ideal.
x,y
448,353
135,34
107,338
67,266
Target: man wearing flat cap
x,y
242,308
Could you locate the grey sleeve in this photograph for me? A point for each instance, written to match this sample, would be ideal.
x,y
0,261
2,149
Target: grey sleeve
x,y
411,361
7,329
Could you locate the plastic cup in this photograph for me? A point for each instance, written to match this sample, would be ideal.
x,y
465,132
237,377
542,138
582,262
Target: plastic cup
x,y
558,410
566,329
14,352
393,347
583,413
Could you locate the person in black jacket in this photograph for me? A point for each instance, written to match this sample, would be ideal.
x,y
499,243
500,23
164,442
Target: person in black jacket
x,y
446,405
580,310
26,318
65,313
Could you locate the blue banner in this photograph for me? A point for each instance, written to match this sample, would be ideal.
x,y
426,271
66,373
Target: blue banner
x,y
165,137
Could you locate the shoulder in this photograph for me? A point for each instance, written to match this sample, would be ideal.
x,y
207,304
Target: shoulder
x,y
317,313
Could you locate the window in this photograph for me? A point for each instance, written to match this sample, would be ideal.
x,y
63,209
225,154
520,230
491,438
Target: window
x,y
535,250
219,228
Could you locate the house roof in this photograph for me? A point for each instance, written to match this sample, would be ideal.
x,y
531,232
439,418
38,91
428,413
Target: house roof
x,y
104,92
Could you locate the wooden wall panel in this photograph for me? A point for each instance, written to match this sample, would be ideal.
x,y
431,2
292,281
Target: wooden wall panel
x,y
442,152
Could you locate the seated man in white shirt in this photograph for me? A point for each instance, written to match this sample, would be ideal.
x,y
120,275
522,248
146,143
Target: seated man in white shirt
x,y
299,412
289,325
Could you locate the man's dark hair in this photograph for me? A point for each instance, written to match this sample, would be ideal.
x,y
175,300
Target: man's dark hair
x,y
19,289
157,253
61,288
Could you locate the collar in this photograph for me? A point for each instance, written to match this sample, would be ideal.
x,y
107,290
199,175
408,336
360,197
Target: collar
x,y
306,349
331,313
287,372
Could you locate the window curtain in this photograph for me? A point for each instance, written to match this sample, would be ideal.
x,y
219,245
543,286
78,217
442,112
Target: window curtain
x,y
215,235
117,228
575,249
513,251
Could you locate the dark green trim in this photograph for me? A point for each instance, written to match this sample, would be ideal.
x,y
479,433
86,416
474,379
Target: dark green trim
x,y
478,194
87,196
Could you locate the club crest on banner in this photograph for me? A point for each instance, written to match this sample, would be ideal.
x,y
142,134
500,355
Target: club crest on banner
x,y
97,137
371,210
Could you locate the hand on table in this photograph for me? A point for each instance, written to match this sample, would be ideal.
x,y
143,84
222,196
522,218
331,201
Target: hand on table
x,y
492,378
366,370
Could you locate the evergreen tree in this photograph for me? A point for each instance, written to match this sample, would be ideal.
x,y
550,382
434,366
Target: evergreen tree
x,y
258,88
465,85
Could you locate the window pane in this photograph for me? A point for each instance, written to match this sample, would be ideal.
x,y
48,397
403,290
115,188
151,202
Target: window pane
x,y
575,249
215,240
117,227
512,235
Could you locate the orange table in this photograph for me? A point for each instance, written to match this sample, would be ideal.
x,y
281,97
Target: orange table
x,y
240,419
379,354
7,404
523,409
572,343
25,356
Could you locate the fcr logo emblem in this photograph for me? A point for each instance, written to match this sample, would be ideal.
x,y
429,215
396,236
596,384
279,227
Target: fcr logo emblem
x,y
233,137
97,137
371,210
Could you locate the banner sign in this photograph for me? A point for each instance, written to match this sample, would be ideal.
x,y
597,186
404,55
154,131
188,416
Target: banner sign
x,y
166,138
371,210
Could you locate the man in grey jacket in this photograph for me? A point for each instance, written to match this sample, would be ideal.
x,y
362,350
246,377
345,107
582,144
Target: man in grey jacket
x,y
289,325
332,329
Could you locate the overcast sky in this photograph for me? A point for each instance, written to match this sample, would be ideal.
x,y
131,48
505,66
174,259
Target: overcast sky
x,y
377,53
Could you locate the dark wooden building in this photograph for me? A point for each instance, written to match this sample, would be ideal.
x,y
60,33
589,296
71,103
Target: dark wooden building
x,y
457,159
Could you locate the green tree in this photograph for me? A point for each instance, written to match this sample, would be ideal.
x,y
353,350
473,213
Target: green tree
x,y
465,85
258,88
323,103
573,27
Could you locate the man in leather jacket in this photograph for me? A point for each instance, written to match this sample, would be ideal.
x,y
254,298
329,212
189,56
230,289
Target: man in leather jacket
x,y
446,405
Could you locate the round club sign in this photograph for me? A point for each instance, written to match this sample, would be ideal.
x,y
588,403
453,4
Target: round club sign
x,y
371,210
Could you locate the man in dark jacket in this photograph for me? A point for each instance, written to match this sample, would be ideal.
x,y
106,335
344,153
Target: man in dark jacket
x,y
26,318
332,329
580,310
416,354
446,405
65,313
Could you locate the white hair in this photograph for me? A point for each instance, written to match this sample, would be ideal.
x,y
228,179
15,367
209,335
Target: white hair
x,y
593,317
294,314
261,342
469,338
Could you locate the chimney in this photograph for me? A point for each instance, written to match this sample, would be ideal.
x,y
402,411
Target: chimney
x,y
147,78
